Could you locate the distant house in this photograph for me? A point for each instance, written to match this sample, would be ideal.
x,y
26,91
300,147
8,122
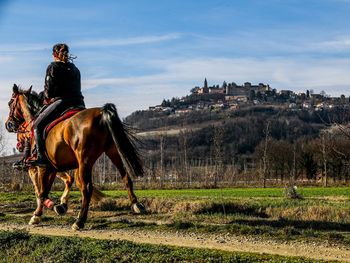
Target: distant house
x,y
233,106
323,105
167,109
292,105
218,106
318,97
203,90
244,90
240,98
306,105
156,108
217,91
231,98
183,111
286,92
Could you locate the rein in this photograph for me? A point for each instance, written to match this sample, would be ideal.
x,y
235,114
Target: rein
x,y
15,114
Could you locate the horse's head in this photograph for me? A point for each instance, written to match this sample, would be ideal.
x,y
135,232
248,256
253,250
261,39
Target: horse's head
x,y
23,105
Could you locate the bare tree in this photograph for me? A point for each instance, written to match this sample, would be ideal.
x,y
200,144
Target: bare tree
x,y
161,145
218,141
3,138
265,152
324,158
184,158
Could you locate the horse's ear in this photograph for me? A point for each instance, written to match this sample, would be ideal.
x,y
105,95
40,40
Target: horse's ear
x,y
30,89
15,88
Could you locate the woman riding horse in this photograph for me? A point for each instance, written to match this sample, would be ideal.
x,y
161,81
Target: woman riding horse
x,y
62,91
74,143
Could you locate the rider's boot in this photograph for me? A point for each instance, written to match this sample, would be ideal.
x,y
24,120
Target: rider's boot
x,y
40,159
20,164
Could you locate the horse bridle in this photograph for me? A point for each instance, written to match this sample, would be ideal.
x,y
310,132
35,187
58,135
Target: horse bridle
x,y
15,115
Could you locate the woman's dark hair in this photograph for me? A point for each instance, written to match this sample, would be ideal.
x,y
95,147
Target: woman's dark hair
x,y
61,51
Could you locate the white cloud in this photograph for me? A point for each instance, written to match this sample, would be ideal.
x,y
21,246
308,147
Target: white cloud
x,y
342,43
13,48
97,42
5,59
127,41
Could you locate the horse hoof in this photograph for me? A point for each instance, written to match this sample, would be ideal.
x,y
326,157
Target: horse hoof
x,y
77,226
34,220
60,209
138,208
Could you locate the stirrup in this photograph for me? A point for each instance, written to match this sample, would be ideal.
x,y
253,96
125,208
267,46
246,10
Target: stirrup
x,y
18,164
32,161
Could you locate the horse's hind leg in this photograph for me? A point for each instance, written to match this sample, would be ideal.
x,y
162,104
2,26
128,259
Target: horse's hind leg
x,y
61,209
113,154
84,182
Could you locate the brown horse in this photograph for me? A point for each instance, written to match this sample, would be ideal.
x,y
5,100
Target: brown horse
x,y
76,143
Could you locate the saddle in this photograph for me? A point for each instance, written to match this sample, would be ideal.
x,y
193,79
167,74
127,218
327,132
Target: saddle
x,y
65,115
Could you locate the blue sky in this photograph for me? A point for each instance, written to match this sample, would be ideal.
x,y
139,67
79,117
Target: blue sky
x,y
135,53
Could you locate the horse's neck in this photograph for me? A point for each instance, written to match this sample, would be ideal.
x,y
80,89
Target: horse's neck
x,y
26,112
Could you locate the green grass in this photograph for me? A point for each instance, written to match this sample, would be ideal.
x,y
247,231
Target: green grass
x,y
16,197
226,193
23,247
323,214
235,192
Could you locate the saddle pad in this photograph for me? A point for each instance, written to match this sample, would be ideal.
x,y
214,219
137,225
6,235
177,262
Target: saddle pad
x,y
67,114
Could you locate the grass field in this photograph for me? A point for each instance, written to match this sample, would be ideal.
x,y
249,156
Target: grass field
x,y
321,216
227,193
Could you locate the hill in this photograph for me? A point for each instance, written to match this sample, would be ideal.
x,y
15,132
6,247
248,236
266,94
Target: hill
x,y
209,128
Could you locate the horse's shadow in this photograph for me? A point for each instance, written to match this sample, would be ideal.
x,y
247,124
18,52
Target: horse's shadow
x,y
232,208
297,224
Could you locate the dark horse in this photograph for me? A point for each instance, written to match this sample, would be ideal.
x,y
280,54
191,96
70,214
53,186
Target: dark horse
x,y
76,143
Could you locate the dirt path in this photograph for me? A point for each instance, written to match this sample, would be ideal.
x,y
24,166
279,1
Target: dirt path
x,y
227,243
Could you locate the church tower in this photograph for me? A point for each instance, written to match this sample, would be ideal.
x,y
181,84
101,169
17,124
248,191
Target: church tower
x,y
205,83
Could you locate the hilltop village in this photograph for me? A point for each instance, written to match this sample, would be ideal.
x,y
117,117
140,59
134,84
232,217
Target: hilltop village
x,y
230,96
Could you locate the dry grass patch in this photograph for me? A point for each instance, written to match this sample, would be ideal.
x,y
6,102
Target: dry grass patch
x,y
312,213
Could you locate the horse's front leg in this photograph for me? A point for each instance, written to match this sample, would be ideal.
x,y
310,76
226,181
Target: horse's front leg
x,y
62,208
36,218
42,180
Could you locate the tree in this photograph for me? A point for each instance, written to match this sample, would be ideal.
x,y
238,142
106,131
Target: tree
x,y
2,138
309,164
195,89
218,144
265,152
252,95
259,95
224,85
166,103
323,93
342,99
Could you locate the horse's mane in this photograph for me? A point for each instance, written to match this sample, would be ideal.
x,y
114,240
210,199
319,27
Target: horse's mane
x,y
34,100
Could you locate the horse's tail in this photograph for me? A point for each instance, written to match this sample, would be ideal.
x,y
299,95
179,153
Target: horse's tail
x,y
97,195
123,140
